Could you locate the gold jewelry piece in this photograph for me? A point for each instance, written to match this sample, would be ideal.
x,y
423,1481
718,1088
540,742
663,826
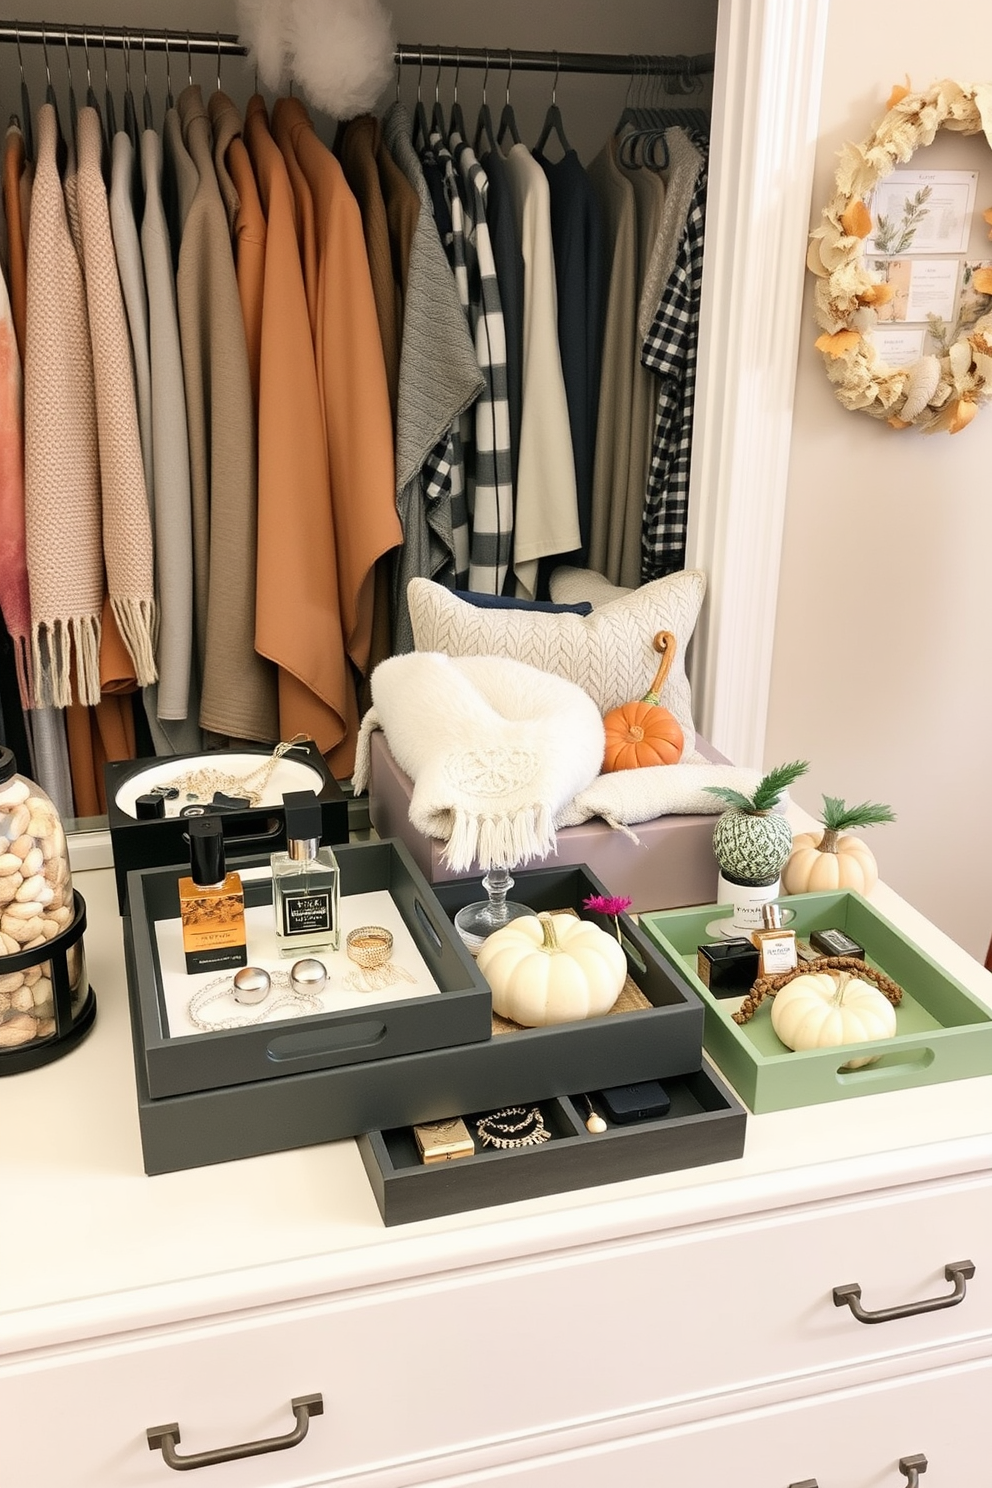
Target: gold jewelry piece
x,y
202,784
252,985
442,1141
370,946
495,1130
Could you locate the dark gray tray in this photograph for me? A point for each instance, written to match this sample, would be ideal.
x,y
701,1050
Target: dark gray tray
x,y
704,1125
323,1105
379,1029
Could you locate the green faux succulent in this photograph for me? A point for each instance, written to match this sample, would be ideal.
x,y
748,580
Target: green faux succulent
x,y
750,842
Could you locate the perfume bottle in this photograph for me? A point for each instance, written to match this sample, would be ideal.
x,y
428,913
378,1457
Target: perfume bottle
x,y
776,946
305,887
211,903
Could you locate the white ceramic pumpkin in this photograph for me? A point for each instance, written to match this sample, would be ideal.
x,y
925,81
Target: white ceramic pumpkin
x,y
828,1009
812,868
552,968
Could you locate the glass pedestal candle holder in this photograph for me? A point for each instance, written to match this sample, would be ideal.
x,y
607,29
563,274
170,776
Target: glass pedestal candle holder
x,y
476,922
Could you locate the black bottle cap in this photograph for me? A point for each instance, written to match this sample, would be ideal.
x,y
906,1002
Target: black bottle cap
x,y
303,819
149,807
206,850
8,764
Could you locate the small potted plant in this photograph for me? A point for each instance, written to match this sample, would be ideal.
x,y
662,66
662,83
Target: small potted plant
x,y
751,843
834,859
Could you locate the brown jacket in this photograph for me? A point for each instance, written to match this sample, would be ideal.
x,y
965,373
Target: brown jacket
x,y
298,618
239,687
352,379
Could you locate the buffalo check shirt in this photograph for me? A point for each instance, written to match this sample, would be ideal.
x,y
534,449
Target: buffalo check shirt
x,y
670,350
485,428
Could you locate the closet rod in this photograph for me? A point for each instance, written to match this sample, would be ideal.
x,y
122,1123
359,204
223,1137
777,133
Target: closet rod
x,y
498,59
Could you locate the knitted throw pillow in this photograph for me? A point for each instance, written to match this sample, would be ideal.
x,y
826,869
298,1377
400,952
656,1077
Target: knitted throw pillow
x,y
609,654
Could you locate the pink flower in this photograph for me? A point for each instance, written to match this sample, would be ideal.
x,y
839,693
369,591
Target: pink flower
x,y
607,904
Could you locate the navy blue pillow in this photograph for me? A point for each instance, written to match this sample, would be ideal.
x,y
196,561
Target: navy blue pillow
x,y
507,602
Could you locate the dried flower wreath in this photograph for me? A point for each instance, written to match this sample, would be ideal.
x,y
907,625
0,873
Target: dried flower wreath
x,y
939,392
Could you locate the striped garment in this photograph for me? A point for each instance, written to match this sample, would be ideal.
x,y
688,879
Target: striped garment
x,y
670,350
485,429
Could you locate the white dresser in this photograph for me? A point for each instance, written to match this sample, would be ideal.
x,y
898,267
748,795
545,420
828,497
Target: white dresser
x,y
677,1332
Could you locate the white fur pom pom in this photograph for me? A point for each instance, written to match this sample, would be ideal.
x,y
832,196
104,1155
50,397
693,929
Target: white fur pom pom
x,y
263,27
341,53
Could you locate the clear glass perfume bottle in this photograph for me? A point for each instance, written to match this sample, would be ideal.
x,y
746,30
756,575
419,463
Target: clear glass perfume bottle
x,y
305,882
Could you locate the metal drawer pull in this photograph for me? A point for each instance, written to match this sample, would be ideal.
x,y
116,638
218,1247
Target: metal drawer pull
x,y
911,1467
164,1438
960,1272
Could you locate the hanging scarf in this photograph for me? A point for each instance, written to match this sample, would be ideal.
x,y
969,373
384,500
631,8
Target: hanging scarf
x,y
61,463
14,599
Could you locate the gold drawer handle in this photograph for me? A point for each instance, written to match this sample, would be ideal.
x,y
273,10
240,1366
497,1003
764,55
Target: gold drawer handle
x,y
164,1439
910,1467
960,1272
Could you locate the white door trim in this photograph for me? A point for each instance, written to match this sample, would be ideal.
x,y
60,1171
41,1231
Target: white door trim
x,y
766,103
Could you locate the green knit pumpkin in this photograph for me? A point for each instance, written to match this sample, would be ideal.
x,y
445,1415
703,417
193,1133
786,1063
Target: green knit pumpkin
x,y
750,842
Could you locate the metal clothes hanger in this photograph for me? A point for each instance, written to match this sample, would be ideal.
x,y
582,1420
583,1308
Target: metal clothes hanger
x,y
437,113
110,112
130,112
28,126
147,112
170,102
219,88
485,134
421,129
507,119
73,107
50,96
553,122
456,121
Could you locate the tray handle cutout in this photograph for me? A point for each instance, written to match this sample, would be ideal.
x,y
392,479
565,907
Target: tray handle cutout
x,y
164,1438
960,1272
901,1063
428,925
286,1047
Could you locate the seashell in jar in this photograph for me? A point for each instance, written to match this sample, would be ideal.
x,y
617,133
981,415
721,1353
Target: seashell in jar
x,y
10,863
20,1028
42,991
46,1027
30,890
8,945
9,887
32,973
22,1000
11,981
18,823
32,945
40,825
13,794
20,909
62,916
51,930
24,932
34,858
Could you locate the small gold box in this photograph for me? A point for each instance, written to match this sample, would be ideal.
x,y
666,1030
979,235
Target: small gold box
x,y
440,1141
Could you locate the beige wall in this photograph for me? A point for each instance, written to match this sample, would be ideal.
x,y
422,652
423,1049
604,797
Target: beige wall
x,y
881,670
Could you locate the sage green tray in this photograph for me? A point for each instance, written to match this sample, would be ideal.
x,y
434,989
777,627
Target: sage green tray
x,y
944,1032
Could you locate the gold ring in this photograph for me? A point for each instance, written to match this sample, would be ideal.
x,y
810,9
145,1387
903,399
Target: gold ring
x,y
370,946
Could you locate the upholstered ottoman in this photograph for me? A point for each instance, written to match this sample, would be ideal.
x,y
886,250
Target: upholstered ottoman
x,y
673,865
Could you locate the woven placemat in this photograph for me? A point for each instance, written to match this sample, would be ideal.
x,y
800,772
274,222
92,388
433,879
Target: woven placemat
x,y
631,999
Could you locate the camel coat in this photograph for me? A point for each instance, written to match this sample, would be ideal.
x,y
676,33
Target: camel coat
x,y
298,616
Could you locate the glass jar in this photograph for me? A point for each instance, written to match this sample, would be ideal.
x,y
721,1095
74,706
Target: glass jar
x,y
44,995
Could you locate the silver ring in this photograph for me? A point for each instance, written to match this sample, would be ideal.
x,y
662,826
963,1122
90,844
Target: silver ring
x,y
251,985
308,976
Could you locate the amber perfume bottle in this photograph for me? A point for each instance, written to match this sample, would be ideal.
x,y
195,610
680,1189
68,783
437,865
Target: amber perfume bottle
x,y
211,903
776,945
305,881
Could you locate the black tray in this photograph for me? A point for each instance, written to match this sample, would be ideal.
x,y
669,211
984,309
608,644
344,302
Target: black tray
x,y
460,1012
704,1125
322,1105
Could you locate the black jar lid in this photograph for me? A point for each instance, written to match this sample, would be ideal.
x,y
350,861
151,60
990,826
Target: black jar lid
x,y
8,764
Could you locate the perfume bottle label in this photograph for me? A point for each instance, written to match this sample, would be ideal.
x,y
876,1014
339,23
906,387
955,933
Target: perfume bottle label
x,y
307,914
778,954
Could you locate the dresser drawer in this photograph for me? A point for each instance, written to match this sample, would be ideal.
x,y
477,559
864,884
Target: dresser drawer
x,y
409,1371
841,1440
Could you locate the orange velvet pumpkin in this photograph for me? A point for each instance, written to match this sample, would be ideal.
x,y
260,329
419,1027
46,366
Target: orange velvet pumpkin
x,y
644,733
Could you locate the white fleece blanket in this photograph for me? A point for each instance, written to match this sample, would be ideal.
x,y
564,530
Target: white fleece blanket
x,y
501,755
495,749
